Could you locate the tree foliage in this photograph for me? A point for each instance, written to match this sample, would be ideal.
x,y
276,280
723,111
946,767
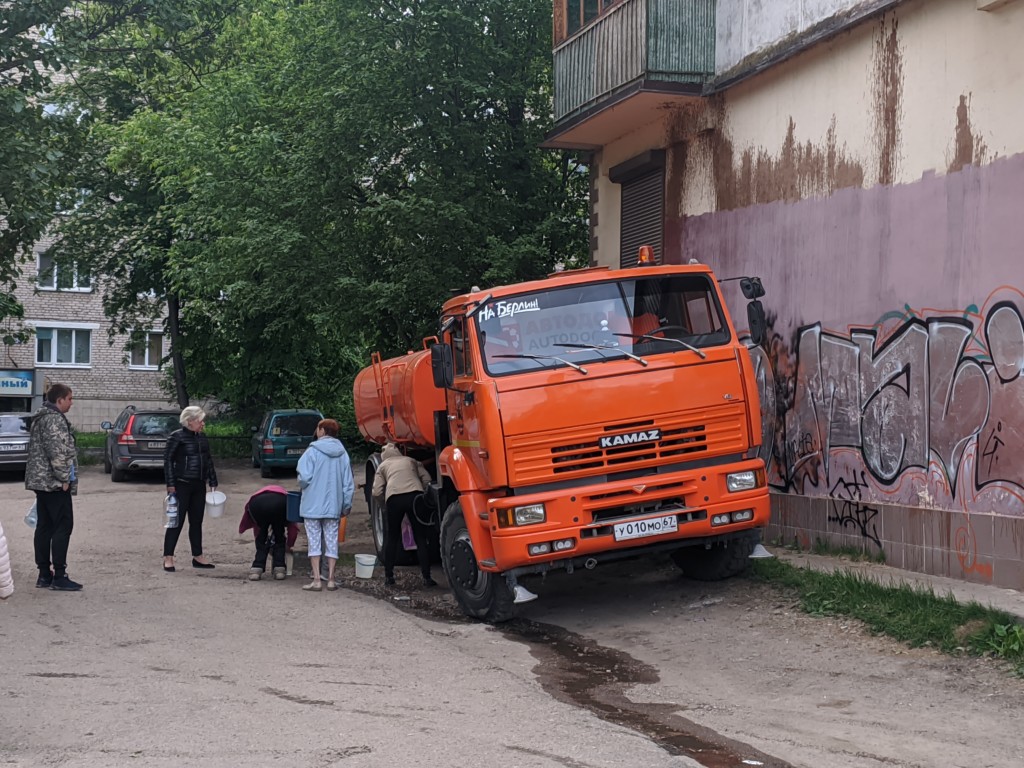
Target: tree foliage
x,y
30,145
315,179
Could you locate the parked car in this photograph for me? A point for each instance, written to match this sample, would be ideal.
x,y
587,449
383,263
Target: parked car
x,y
281,438
14,429
136,440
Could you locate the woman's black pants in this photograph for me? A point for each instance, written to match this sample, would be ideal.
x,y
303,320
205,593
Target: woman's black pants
x,y
398,506
191,504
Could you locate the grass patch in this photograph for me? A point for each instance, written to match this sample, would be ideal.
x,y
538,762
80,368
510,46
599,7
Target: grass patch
x,y
857,554
229,438
913,615
823,547
90,439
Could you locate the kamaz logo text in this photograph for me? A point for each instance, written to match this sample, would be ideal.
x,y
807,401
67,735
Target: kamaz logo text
x,y
630,438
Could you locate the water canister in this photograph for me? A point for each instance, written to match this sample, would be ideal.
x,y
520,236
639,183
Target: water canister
x,y
171,511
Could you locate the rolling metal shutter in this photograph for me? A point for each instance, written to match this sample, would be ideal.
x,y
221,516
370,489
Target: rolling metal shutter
x,y
643,216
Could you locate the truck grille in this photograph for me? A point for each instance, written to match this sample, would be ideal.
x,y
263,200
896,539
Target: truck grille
x,y
566,454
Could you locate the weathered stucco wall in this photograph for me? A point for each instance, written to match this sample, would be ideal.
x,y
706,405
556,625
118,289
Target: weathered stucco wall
x,y
875,183
745,27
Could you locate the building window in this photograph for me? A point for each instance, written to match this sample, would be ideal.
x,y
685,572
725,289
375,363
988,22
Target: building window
x,y
148,352
579,13
54,277
63,346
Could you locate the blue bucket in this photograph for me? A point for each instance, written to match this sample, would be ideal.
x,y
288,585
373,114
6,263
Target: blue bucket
x,y
294,497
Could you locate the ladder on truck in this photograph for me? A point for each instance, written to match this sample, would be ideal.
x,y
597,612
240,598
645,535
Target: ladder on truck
x,y
382,380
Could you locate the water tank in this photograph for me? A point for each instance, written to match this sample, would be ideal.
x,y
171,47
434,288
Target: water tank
x,y
409,383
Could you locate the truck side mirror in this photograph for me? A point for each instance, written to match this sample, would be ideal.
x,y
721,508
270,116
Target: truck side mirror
x,y
756,322
751,287
442,366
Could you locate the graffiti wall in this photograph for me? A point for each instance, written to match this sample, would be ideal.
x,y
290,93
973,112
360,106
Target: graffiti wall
x,y
891,384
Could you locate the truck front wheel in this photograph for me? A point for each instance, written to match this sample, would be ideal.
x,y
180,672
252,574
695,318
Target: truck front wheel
x,y
482,595
722,561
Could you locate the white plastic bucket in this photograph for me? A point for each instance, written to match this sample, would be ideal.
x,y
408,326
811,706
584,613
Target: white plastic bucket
x,y
215,501
364,566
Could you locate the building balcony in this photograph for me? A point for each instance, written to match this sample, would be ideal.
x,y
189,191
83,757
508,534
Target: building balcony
x,y
626,65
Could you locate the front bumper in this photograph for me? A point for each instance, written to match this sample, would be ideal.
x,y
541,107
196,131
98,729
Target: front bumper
x,y
589,515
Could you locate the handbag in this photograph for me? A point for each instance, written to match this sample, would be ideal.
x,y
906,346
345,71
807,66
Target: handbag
x,y
408,540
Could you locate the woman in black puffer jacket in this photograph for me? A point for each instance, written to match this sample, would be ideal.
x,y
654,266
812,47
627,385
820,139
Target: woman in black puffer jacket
x,y
188,467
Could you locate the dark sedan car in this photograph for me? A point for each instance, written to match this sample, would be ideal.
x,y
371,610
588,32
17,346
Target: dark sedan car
x,y
281,438
14,429
136,441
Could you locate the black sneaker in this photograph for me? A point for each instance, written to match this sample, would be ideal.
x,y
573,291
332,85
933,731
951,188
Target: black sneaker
x,y
389,581
429,582
64,584
44,581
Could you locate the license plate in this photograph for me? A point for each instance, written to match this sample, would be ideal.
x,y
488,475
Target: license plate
x,y
11,447
294,451
639,529
154,445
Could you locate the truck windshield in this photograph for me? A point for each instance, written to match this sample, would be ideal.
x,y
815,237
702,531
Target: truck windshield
x,y
627,319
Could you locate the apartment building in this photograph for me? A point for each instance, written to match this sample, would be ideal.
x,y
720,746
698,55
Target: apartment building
x,y
865,158
71,344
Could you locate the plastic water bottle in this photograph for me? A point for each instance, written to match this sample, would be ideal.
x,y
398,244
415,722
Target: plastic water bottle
x,y
171,511
31,518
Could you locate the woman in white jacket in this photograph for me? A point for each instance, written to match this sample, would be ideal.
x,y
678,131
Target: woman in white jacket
x,y
6,578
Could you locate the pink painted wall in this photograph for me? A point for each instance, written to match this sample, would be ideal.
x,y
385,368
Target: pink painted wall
x,y
893,376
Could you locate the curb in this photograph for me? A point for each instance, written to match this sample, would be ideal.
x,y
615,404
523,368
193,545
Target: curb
x,y
1010,601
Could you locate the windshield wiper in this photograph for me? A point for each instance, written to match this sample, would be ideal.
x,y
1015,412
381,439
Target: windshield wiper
x,y
579,368
648,336
599,347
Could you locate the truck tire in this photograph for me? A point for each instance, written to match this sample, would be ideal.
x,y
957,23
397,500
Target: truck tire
x,y
722,561
481,594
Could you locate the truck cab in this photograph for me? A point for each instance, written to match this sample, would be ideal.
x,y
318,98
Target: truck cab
x,y
590,416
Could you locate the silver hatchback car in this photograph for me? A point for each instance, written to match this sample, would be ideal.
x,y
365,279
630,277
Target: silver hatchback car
x,y
14,430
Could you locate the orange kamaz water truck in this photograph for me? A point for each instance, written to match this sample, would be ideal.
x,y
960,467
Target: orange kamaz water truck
x,y
594,415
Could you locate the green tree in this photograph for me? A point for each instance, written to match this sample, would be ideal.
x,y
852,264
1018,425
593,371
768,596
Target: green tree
x,y
130,59
317,182
360,163
30,151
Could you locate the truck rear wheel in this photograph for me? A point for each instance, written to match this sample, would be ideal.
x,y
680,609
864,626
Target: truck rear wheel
x,y
721,561
482,595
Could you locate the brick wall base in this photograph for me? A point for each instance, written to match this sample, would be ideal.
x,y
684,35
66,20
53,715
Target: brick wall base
x,y
976,547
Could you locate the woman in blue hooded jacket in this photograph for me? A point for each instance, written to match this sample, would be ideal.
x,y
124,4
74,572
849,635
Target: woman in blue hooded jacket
x,y
325,479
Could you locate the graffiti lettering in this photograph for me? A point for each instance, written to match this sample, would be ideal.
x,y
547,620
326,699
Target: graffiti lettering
x,y
848,509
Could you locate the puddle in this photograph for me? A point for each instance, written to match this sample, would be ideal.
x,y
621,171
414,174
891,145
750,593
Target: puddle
x,y
580,672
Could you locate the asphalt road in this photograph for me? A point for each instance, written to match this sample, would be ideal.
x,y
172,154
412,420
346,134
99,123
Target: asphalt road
x,y
205,668
628,665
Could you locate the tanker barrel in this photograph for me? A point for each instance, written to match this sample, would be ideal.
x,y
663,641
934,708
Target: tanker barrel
x,y
402,408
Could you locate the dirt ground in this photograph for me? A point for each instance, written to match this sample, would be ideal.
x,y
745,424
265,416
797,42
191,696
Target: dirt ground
x,y
629,664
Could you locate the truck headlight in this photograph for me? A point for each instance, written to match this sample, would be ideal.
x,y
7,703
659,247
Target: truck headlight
x,y
528,515
741,481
